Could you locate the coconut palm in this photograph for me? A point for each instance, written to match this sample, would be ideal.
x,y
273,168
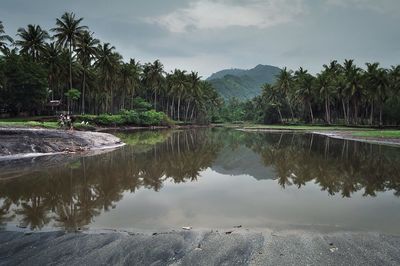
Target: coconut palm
x,y
108,62
86,49
193,91
153,78
4,38
53,62
304,89
67,32
284,82
274,96
32,40
353,85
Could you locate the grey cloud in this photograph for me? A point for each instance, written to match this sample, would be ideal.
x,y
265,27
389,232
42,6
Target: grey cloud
x,y
311,34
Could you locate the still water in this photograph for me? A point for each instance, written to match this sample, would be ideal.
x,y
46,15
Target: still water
x,y
208,178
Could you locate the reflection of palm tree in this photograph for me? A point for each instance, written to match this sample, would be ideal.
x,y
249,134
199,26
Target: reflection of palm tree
x,y
33,214
5,215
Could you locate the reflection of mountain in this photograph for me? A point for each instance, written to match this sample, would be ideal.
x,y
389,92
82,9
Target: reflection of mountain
x,y
242,161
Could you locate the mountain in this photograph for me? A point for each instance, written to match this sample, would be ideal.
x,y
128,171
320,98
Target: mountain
x,y
243,84
242,161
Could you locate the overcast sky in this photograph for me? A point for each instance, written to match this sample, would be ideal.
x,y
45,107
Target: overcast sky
x,y
210,35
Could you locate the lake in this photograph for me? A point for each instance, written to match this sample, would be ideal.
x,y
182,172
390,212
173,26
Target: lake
x,y
208,178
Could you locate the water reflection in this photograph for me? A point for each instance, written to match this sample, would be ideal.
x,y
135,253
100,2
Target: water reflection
x,y
69,193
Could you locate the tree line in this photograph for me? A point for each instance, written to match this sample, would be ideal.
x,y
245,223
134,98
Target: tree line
x,y
339,94
68,64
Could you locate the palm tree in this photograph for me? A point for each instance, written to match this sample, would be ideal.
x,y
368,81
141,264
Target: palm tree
x,y
382,85
53,63
352,87
32,40
327,83
179,83
4,38
108,62
86,49
193,92
370,83
67,32
304,83
274,96
284,82
322,82
153,77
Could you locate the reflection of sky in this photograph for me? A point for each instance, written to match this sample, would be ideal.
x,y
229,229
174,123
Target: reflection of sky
x,y
221,201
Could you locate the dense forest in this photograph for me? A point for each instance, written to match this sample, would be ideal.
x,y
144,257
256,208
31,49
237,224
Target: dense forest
x,y
69,67
340,94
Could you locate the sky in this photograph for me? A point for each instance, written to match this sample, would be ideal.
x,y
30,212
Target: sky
x,y
211,35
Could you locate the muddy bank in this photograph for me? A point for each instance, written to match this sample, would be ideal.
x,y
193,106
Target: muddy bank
x,y
24,142
241,247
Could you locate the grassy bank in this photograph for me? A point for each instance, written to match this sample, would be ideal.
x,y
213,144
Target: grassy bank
x,y
126,118
28,123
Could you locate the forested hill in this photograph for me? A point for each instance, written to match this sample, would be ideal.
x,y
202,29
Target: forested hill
x,y
243,84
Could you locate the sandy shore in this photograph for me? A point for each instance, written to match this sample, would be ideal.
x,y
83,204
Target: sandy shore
x,y
240,247
27,142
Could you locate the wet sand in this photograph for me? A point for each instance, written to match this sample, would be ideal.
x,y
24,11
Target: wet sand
x,y
240,247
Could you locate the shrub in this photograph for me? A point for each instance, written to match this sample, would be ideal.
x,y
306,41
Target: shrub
x,y
141,105
151,118
130,117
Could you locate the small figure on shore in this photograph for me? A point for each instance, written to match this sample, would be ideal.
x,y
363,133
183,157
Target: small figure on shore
x,y
65,122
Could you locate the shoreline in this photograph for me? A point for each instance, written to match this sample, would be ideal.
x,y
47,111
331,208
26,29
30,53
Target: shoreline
x,y
201,247
19,143
344,135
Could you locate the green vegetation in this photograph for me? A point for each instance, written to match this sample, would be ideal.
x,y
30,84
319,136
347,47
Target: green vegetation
x,y
243,84
75,72
128,118
340,94
8,123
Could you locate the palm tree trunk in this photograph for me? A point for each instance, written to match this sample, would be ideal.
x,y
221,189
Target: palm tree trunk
x,y
191,115
311,113
290,107
380,115
187,110
344,111
328,120
280,114
70,65
371,119
83,91
155,100
179,107
172,107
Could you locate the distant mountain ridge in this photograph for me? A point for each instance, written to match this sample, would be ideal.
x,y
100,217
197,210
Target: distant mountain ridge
x,y
243,84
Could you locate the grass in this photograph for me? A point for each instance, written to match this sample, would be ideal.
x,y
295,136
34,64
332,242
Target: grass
x,y
378,134
25,123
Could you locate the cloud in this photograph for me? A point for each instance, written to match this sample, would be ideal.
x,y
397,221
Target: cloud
x,y
221,14
382,6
